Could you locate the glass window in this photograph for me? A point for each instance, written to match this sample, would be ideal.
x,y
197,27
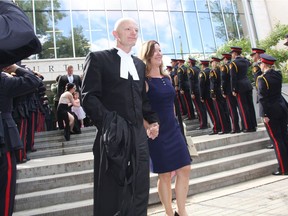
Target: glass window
x,y
194,36
227,6
215,5
179,33
129,4
81,33
160,5
231,26
99,37
84,5
95,5
174,5
144,5
164,32
148,29
242,25
113,5
219,28
63,37
202,5
64,4
188,5
207,33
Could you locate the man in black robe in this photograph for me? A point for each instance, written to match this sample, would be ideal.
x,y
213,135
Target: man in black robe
x,y
114,80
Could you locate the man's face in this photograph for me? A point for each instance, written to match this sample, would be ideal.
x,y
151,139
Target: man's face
x,y
255,57
126,34
70,71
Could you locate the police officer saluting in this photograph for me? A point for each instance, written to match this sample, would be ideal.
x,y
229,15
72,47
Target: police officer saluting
x,y
273,110
242,89
255,55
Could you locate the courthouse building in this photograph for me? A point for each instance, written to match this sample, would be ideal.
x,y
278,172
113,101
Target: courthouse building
x,y
69,29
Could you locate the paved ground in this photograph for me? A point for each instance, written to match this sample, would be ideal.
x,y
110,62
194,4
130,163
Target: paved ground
x,y
266,196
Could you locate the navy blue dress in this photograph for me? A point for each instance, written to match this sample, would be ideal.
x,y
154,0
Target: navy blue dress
x,y
168,151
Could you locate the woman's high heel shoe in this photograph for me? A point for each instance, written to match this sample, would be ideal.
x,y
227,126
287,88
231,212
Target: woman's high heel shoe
x,y
176,214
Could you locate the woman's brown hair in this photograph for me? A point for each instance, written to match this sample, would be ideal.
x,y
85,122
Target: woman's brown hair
x,y
146,53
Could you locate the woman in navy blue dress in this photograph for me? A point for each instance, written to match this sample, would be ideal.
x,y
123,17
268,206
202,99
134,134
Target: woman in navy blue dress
x,y
168,151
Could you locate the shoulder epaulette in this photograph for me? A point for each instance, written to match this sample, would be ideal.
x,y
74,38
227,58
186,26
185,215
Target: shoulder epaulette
x,y
192,71
255,69
265,80
233,64
202,74
179,70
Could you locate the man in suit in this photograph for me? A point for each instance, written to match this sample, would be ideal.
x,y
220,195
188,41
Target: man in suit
x,y
69,78
114,80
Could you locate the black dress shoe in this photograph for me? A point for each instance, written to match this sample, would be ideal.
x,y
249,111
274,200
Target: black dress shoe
x,y
213,133
270,146
33,150
223,132
249,130
201,128
279,173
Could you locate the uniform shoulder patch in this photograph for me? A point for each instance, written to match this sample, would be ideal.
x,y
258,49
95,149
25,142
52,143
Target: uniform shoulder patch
x,y
255,68
222,68
179,70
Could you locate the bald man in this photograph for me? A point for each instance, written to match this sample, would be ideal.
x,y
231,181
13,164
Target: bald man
x,y
114,81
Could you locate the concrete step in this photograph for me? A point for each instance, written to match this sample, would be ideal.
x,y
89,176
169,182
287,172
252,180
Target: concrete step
x,y
63,185
52,197
222,179
80,208
55,165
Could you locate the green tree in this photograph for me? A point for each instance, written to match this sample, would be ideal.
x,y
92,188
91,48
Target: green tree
x,y
64,45
43,14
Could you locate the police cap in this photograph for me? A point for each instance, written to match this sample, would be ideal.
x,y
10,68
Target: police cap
x,y
236,49
204,62
267,59
257,50
193,60
227,56
215,59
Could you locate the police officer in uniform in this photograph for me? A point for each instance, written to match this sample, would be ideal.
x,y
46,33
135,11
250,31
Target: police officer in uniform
x,y
255,55
273,110
242,89
204,86
175,82
220,105
193,72
184,87
227,93
10,87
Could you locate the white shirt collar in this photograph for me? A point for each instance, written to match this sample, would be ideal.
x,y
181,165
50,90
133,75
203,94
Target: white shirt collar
x,y
127,65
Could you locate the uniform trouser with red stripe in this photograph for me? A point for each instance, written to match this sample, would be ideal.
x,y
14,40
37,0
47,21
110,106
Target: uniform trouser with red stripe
x,y
232,106
277,130
7,183
22,127
222,114
189,104
212,114
246,110
181,103
31,130
201,111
